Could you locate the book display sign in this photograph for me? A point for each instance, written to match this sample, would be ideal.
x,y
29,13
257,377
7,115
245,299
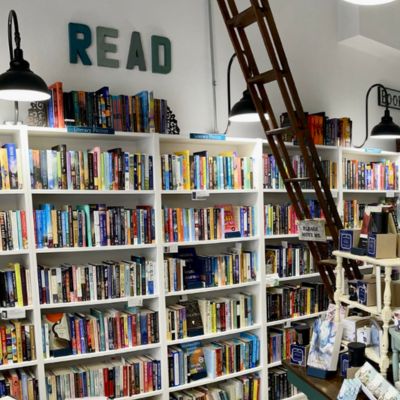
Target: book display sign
x,y
312,230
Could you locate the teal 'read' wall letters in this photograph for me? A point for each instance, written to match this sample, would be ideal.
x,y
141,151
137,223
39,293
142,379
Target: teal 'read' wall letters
x,y
81,39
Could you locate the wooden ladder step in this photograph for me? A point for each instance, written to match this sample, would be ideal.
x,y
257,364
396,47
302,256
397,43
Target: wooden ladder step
x,y
280,131
292,180
243,19
265,77
328,262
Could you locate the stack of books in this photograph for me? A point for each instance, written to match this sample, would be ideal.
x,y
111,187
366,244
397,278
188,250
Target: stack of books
x,y
19,383
100,330
291,260
101,281
243,387
13,232
218,222
279,341
363,175
15,286
279,386
10,167
114,169
295,301
353,212
230,268
101,112
122,377
18,342
90,225
199,171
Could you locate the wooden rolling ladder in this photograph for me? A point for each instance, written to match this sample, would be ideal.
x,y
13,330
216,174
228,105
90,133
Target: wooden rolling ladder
x,y
259,12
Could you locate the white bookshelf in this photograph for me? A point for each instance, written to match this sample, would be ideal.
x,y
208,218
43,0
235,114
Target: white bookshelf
x,y
27,199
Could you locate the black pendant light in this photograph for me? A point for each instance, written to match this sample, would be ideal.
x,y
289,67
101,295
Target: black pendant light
x,y
19,83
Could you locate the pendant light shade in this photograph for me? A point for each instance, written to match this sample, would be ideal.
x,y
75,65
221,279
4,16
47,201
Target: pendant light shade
x,y
369,2
19,83
386,129
244,110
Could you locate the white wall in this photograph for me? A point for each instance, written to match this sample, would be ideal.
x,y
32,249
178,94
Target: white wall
x,y
44,31
329,76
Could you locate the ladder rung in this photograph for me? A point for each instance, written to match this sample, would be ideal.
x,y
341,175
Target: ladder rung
x,y
243,19
304,179
330,261
265,77
280,131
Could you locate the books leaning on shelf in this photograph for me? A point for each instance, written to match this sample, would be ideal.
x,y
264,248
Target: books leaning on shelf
x,y
19,383
13,231
230,268
101,112
243,387
193,318
17,342
114,169
362,175
221,358
211,223
122,377
199,171
294,301
15,286
10,167
279,341
280,219
289,260
273,180
353,212
97,330
278,385
101,281
93,225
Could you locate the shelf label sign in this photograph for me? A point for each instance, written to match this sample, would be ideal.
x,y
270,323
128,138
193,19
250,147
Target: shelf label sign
x,y
312,230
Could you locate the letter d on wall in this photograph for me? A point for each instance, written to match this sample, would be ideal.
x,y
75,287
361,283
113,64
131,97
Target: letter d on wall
x,y
156,43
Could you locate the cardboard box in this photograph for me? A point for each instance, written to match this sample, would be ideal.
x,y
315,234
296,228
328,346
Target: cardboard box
x,y
350,326
395,289
398,245
348,238
382,245
366,290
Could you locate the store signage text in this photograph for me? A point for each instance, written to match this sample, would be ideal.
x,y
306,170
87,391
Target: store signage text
x,y
393,98
80,39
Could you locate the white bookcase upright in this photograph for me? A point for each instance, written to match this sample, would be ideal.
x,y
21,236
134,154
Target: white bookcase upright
x,y
26,198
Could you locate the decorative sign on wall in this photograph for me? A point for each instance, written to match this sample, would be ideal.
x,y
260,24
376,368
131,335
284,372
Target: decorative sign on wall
x,y
393,98
80,39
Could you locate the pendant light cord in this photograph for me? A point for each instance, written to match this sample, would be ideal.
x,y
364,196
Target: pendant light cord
x,y
12,17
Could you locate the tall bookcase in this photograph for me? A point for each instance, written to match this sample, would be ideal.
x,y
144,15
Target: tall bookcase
x,y
26,198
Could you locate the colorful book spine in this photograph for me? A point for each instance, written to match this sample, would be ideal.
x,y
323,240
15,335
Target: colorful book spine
x,y
13,235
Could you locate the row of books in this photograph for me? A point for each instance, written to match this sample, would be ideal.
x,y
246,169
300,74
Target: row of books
x,y
244,388
139,113
280,219
324,130
15,286
353,212
91,225
17,342
279,341
98,330
278,385
383,175
197,271
109,279
290,260
273,180
218,222
21,384
213,359
123,377
93,169
185,171
193,318
294,301
10,167
13,231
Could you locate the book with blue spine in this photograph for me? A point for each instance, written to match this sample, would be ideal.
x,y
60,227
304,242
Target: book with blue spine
x,y
12,164
207,136
39,229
